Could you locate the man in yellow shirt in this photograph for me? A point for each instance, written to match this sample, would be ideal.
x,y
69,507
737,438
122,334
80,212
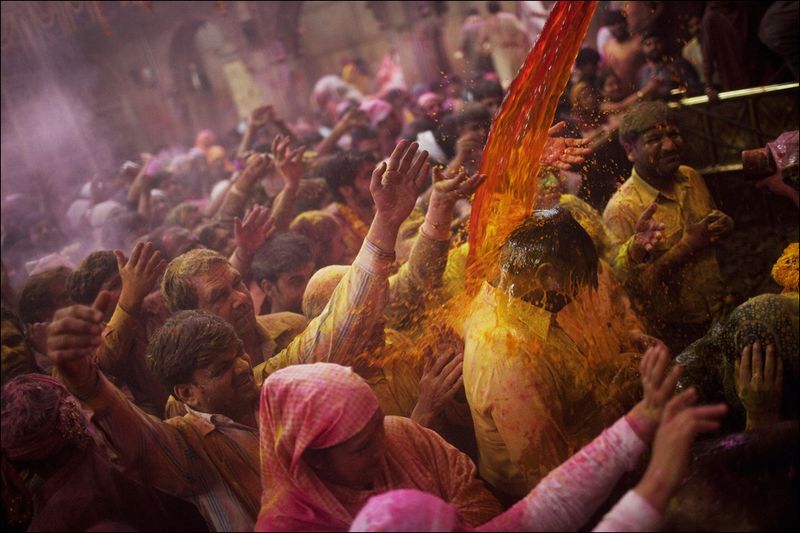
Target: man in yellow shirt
x,y
535,397
678,283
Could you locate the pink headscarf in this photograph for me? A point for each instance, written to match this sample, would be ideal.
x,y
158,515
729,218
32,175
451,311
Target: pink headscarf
x,y
428,98
377,110
407,510
307,407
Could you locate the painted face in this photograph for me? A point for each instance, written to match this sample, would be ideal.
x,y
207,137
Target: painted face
x,y
287,292
361,184
112,285
476,127
179,241
354,463
336,251
550,189
226,386
657,152
222,292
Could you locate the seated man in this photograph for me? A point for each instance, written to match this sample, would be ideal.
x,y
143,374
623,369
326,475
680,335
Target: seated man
x,y
210,455
678,284
535,397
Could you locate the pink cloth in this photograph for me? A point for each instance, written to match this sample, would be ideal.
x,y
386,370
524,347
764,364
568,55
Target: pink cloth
x,y
406,510
428,98
377,110
562,501
306,407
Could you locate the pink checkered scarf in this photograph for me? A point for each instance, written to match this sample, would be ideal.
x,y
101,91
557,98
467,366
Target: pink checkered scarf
x,y
305,407
407,510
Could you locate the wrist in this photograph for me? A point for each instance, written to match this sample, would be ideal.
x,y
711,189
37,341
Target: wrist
x,y
242,254
655,489
131,304
641,424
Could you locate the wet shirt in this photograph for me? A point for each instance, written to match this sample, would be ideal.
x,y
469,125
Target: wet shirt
x,y
535,398
693,294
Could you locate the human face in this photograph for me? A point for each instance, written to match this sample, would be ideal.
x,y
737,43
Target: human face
x,y
356,462
653,49
225,386
612,88
112,285
476,127
695,26
587,101
44,234
336,250
433,109
286,294
656,154
223,242
222,292
549,192
15,346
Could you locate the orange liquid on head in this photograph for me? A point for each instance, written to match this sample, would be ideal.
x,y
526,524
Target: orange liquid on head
x,y
517,138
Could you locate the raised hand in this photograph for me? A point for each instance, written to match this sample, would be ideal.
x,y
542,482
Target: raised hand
x,y
562,152
352,119
74,335
658,387
139,274
647,233
468,143
759,384
395,185
261,116
256,167
449,190
253,232
288,162
441,380
681,423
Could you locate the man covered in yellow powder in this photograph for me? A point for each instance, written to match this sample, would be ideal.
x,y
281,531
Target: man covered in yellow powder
x,y
535,396
678,283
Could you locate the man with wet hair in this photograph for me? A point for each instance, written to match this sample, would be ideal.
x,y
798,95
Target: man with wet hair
x,y
562,398
678,282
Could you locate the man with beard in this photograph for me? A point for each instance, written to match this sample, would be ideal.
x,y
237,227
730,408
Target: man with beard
x,y
671,72
678,282
622,52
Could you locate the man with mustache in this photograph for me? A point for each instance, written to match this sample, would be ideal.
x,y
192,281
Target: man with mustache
x,y
677,282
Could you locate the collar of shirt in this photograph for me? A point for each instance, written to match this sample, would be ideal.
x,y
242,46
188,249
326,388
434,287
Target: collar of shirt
x,y
527,316
208,422
649,193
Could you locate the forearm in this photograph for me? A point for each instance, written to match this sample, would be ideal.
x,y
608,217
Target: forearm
x,y
118,338
283,207
247,141
242,263
344,329
285,130
631,513
234,202
570,494
144,204
327,144
668,263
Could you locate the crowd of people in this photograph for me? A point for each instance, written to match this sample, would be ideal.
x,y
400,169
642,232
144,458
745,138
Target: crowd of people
x,y
276,335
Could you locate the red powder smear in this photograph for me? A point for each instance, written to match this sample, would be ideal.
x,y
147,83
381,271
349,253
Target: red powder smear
x,y
516,140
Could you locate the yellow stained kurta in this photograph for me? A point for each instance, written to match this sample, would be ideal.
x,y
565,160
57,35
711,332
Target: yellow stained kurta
x,y
535,398
693,294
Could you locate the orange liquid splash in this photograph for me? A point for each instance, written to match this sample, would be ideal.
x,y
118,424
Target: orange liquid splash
x,y
517,138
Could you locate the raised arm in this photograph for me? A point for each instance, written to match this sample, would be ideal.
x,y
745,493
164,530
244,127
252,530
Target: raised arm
x,y
143,446
289,164
237,194
344,328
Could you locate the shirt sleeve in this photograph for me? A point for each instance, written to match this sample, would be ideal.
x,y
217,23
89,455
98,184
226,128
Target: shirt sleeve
x,y
150,450
631,513
566,499
117,342
416,279
341,333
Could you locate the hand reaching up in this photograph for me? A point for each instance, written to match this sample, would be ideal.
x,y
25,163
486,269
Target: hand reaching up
x,y
562,152
658,387
441,380
395,185
681,424
253,232
139,274
288,162
759,384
